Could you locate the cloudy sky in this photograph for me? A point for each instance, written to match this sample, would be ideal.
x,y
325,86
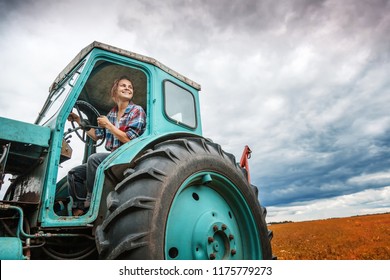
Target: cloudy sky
x,y
304,83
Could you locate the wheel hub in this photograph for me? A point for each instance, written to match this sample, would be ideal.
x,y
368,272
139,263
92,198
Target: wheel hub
x,y
212,238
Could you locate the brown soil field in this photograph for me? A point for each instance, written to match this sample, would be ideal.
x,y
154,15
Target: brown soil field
x,y
353,238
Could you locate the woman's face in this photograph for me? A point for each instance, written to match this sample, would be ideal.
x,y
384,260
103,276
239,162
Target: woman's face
x,y
124,91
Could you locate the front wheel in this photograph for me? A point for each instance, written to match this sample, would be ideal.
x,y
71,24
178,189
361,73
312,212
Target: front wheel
x,y
184,199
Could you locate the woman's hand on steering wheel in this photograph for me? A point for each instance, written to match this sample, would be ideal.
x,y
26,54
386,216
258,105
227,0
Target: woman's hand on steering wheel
x,y
84,124
74,118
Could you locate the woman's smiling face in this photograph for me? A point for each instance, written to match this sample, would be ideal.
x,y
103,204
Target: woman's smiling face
x,y
124,91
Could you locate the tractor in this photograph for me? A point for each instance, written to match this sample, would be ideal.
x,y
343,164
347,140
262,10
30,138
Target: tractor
x,y
170,194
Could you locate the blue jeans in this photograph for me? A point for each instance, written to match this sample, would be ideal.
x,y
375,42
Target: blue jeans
x,y
81,179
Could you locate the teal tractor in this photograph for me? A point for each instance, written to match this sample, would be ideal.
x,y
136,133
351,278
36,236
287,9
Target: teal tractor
x,y
169,194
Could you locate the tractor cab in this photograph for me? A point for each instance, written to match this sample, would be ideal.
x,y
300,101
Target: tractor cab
x,y
51,146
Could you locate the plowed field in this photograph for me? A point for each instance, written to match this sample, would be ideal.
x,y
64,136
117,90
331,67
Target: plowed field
x,y
353,238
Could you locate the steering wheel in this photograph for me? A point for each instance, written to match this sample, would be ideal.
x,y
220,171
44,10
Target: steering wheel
x,y
85,123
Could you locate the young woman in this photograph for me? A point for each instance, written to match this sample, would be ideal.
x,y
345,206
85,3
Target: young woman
x,y
123,123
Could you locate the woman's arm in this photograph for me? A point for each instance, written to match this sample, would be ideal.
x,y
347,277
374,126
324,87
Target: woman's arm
x,y
105,123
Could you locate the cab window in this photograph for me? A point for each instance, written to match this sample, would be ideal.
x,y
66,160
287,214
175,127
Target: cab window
x,y
179,105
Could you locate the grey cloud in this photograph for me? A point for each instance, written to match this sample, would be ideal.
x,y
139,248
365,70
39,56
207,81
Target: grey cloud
x,y
327,179
7,7
250,16
360,203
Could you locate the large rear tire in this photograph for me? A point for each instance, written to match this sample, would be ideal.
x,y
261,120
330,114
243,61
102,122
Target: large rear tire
x,y
184,199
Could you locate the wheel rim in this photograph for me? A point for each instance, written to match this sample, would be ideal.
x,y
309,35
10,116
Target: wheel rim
x,y
210,219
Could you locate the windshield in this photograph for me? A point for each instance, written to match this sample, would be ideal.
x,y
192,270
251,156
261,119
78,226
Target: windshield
x,y
58,96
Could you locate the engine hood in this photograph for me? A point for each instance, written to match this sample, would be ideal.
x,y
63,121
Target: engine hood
x,y
22,145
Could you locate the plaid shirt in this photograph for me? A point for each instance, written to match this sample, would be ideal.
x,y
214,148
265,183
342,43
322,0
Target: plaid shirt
x,y
132,122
